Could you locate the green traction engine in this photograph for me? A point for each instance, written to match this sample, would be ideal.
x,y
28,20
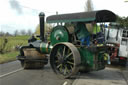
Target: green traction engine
x,y
72,46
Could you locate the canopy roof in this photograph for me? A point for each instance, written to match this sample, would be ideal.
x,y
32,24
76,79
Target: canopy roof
x,y
98,16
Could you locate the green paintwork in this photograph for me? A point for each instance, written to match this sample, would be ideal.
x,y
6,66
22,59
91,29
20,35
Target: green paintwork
x,y
81,30
101,59
43,47
59,34
91,60
86,57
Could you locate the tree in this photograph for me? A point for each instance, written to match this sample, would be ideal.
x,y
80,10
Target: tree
x,y
88,6
7,34
3,44
29,32
37,30
23,32
2,33
47,29
16,33
123,21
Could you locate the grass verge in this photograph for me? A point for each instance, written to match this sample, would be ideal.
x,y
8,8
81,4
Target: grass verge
x,y
10,51
7,57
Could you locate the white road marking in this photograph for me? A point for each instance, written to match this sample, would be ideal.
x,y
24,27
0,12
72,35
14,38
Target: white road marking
x,y
65,83
11,72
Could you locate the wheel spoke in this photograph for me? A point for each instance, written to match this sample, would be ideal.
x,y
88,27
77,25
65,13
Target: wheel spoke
x,y
65,71
70,62
58,55
64,50
60,69
68,55
71,67
57,61
60,65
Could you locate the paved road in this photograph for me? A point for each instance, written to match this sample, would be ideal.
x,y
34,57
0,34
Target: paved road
x,y
30,77
110,76
8,67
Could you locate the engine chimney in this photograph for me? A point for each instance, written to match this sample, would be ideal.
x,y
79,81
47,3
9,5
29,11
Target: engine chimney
x,y
41,16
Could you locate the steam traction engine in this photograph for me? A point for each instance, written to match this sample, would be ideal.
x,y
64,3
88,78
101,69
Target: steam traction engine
x,y
72,47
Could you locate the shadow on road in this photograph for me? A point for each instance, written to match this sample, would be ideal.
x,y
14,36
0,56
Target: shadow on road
x,y
111,72
116,65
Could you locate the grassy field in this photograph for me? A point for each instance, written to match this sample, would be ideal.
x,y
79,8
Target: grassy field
x,y
10,51
14,41
7,57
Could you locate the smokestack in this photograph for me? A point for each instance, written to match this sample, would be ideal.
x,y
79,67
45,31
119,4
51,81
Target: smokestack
x,y
41,16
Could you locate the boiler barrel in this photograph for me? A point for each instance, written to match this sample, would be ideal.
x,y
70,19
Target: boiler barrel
x,y
45,47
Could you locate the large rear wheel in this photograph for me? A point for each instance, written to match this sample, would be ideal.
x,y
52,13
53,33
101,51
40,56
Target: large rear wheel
x,y
64,59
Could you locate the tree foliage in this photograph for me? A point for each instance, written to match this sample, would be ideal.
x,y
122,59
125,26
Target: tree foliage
x,y
3,43
47,29
89,5
123,21
16,33
29,32
23,32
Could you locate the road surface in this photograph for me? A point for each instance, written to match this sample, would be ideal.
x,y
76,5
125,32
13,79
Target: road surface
x,y
111,75
12,74
43,76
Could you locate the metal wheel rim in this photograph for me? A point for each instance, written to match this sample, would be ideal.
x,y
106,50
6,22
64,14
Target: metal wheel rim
x,y
67,66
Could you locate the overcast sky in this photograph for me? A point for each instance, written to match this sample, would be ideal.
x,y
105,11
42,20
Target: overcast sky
x,y
23,14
